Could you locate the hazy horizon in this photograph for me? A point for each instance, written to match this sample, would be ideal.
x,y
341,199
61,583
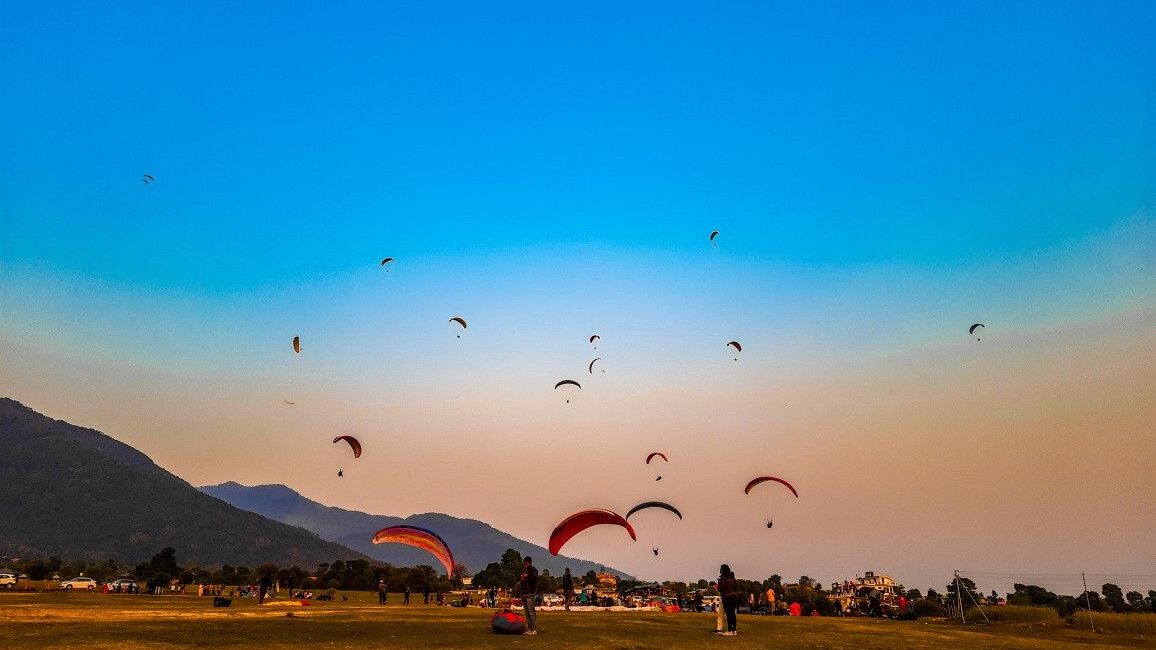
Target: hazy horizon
x,y
882,177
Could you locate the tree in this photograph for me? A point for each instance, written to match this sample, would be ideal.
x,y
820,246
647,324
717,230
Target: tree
x,y
1098,604
511,563
1032,595
590,579
1152,600
491,576
913,594
1114,597
1136,600
967,591
933,594
158,571
460,571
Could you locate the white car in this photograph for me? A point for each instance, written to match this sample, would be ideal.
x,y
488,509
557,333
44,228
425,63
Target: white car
x,y
7,580
79,583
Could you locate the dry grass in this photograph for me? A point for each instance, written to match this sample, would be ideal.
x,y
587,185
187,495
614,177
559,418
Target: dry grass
x,y
1018,614
1129,624
84,620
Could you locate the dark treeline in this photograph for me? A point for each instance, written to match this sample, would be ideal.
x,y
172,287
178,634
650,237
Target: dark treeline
x,y
163,568
363,575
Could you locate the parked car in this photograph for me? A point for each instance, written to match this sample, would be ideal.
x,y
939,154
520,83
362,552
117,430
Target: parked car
x,y
552,600
79,583
7,580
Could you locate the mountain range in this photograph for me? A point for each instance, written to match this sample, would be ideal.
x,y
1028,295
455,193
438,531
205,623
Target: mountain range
x,y
76,493
475,544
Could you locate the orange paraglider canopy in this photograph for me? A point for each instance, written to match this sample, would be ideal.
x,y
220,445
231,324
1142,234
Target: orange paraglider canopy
x,y
427,540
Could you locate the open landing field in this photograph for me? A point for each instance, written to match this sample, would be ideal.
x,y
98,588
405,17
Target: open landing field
x,y
86,620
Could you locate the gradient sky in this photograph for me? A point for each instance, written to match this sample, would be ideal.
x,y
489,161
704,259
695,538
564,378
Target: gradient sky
x,y
883,176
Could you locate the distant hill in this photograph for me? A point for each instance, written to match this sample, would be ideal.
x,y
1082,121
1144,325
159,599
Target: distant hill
x,y
474,543
77,493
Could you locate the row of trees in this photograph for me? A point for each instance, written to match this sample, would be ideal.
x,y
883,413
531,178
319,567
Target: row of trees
x,y
163,568
1113,599
360,574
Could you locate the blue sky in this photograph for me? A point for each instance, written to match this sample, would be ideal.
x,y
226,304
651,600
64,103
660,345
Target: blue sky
x,y
299,141
883,175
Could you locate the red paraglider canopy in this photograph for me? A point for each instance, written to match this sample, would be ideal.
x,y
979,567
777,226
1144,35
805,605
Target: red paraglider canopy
x,y
353,444
580,521
764,479
656,453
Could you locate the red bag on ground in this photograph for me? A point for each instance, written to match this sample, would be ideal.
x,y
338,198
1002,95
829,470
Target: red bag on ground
x,y
507,622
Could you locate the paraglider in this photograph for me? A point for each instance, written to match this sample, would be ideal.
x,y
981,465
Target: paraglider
x,y
147,178
386,260
652,456
653,504
590,368
427,540
580,521
764,479
297,344
593,338
354,444
972,329
713,234
459,325
289,403
568,388
737,347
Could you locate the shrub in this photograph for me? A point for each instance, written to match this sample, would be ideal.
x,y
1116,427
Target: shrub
x,y
929,607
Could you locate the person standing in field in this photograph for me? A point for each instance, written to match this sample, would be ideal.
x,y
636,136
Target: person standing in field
x,y
568,588
529,589
728,589
266,582
382,595
405,601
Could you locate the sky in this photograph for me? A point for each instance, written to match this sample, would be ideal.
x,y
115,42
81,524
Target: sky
x,y
882,176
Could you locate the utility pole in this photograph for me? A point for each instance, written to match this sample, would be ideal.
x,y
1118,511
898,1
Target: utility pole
x,y
1088,600
959,598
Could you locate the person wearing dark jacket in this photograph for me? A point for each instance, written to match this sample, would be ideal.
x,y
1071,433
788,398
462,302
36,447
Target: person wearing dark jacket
x,y
266,584
529,589
568,587
728,589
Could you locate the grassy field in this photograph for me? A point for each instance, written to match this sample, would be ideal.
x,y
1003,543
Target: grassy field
x,y
75,620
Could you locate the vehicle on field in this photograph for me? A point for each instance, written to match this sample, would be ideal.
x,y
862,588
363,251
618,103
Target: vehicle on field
x,y
7,580
79,583
871,595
